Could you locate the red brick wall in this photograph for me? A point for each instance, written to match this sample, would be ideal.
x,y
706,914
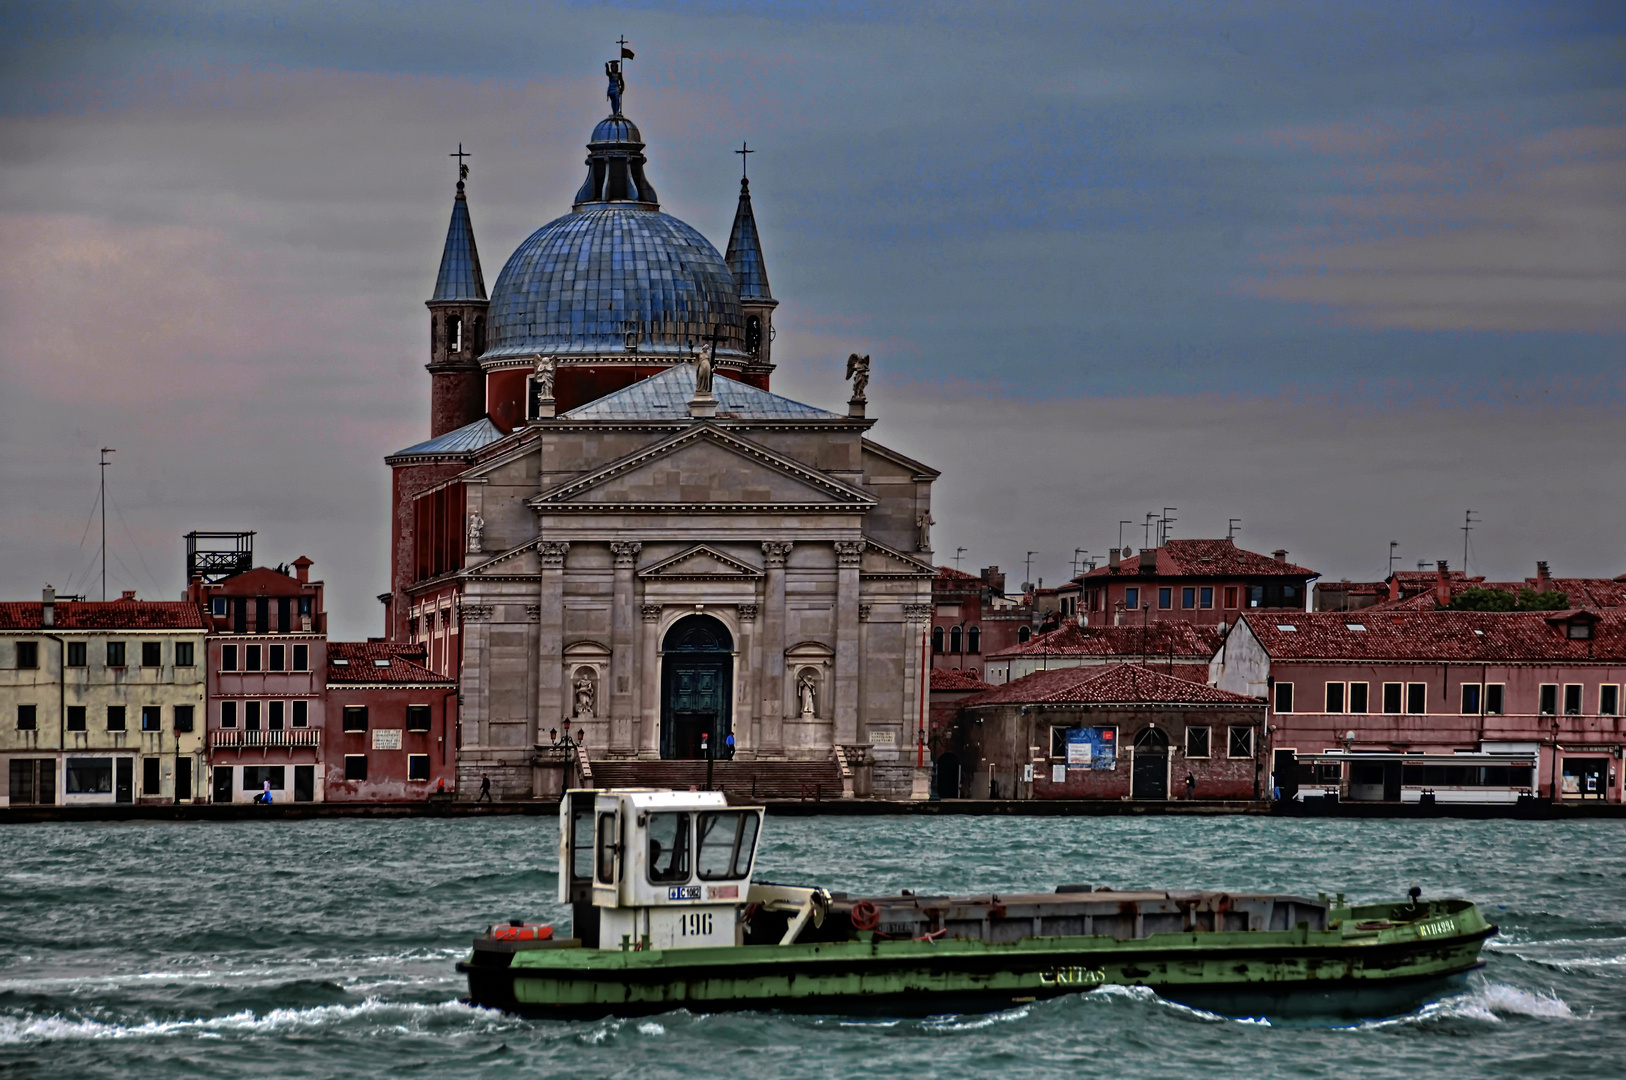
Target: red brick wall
x,y
407,482
387,769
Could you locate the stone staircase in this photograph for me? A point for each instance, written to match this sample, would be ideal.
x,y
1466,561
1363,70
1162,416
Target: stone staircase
x,y
740,780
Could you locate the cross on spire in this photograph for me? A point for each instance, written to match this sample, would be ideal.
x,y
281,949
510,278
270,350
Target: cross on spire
x,y
462,169
745,148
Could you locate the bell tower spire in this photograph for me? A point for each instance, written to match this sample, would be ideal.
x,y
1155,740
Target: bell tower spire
x,y
750,271
457,322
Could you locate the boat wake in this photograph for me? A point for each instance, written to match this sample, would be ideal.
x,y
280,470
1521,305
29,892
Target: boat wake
x,y
1489,1003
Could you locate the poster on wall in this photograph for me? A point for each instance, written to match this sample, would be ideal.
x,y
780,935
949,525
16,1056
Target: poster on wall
x,y
1092,748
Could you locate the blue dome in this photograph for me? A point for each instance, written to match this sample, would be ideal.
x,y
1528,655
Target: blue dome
x,y
617,280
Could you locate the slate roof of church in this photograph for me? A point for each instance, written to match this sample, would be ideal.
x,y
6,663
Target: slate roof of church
x,y
459,277
464,440
745,250
666,397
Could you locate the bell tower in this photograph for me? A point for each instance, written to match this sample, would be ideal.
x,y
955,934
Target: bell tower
x,y
744,258
457,323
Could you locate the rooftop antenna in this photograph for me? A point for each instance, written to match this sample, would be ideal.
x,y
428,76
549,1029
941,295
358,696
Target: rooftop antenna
x,y
1392,556
745,148
1121,525
1423,564
462,169
105,451
1076,560
1163,524
1231,527
1468,523
1146,528
959,551
1027,578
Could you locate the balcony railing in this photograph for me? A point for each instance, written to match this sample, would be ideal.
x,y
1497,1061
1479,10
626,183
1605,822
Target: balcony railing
x,y
239,739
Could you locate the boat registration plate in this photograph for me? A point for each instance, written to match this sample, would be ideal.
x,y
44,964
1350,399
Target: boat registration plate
x,y
683,892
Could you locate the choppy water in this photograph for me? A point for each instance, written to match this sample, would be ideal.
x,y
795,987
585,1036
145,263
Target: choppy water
x,y
326,948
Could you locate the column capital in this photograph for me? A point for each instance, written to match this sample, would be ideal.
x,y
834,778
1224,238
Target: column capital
x,y
477,613
918,613
626,552
552,553
748,612
848,552
776,550
651,612
863,612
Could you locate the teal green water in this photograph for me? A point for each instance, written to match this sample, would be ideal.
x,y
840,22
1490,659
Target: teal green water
x,y
326,948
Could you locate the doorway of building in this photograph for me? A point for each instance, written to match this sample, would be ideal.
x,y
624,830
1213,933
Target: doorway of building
x,y
1585,778
123,779
304,783
183,779
948,777
223,783
1150,779
697,670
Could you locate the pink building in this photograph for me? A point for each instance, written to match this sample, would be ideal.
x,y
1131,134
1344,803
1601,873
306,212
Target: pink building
x,y
1202,581
392,724
1545,686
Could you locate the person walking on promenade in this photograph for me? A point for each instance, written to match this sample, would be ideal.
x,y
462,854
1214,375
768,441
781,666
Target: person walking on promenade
x,y
1191,786
485,789
728,747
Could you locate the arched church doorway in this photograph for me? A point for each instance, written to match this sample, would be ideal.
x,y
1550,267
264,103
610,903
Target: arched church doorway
x,y
697,671
1150,779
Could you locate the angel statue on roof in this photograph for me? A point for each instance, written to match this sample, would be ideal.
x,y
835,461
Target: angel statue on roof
x,y
702,370
858,372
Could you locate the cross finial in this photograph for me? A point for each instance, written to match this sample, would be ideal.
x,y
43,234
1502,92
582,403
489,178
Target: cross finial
x,y
622,41
745,148
462,169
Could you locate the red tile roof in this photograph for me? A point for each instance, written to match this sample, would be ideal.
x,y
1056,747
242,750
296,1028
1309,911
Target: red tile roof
x,y
948,573
945,679
1584,592
1437,636
1167,637
359,664
260,581
1204,559
104,615
1115,684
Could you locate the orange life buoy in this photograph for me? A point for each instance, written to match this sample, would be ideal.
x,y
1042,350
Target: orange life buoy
x,y
522,932
865,916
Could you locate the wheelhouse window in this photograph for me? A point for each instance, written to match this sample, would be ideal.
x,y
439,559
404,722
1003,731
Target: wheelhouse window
x,y
604,872
668,847
1357,697
1196,742
1335,697
1241,742
1284,697
727,839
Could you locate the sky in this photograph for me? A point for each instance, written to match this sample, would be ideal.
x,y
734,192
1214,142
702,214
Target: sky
x,y
1341,271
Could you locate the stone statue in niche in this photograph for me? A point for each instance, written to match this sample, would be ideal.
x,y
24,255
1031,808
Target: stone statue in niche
x,y
702,370
858,372
924,524
586,691
807,693
477,527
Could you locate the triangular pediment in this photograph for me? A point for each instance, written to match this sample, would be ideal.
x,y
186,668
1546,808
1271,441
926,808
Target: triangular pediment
x,y
882,561
701,562
705,467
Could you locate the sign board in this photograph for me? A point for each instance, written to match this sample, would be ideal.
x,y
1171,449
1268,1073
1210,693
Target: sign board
x,y
888,737
1092,748
1027,774
387,738
1058,773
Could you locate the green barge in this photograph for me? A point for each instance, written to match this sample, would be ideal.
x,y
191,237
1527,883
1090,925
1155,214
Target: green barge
x,y
666,916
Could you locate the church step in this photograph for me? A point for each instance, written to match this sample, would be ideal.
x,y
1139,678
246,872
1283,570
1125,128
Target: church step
x,y
741,779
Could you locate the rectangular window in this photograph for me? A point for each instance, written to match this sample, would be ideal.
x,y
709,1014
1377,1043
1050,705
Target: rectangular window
x,y
152,718
152,654
1205,596
355,718
183,654
183,718
1231,595
1188,597
1392,692
26,717
1417,698
1493,699
1256,595
1132,598
1196,742
115,654
76,718
417,766
301,713
608,845
228,714
1165,597
149,777
1609,701
302,658
28,654
219,607
115,718
1572,699
228,658
1549,699
1241,743
304,605
1284,697
417,718
255,776
355,766
1335,697
1470,699
278,656
275,715
668,847
1058,742
76,654
90,776
251,658
1357,697
251,716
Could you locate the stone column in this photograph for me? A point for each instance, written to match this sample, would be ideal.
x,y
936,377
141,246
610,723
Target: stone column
x,y
773,649
649,742
621,645
474,693
550,636
848,555
746,735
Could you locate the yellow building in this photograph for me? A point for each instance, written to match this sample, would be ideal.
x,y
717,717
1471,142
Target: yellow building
x,y
101,702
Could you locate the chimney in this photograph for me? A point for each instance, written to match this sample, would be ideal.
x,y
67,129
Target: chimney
x,y
1394,586
1112,558
1280,554
302,569
1542,577
129,594
1442,582
48,607
1118,613
1148,561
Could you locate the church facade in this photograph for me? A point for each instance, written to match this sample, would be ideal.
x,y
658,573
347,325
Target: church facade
x,y
617,531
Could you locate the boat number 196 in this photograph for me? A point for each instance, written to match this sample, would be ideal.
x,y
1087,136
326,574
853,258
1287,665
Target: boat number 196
x,y
695,924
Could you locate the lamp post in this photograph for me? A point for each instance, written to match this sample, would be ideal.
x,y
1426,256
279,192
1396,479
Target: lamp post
x,y
705,748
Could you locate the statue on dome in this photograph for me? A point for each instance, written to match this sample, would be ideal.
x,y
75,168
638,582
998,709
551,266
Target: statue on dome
x,y
858,372
702,370
618,85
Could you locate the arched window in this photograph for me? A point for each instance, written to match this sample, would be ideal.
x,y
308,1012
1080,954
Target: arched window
x,y
434,333
753,334
479,334
955,641
1023,633
937,639
454,334
973,640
